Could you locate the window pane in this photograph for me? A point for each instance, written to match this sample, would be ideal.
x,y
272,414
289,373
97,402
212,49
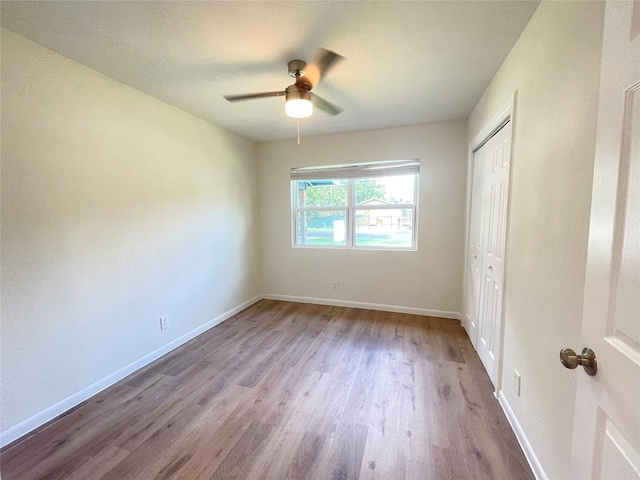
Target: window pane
x,y
385,190
322,193
322,228
389,227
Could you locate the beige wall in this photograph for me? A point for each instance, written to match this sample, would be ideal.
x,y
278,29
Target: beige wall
x,y
116,209
555,69
427,279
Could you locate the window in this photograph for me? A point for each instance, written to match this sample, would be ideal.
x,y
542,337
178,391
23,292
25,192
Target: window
x,y
370,205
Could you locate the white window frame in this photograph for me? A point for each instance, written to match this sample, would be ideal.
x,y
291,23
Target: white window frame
x,y
351,173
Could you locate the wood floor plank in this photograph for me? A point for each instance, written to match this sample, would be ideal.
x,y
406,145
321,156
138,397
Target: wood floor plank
x,y
345,460
180,396
240,458
380,456
104,420
193,441
218,435
278,392
360,400
99,465
290,391
276,459
309,450
149,459
316,470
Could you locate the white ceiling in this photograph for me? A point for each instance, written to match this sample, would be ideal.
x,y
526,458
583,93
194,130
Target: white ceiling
x,y
405,63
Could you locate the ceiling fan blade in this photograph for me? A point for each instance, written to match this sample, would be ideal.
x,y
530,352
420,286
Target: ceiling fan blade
x,y
325,105
320,66
251,96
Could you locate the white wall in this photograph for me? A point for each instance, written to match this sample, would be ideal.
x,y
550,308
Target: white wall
x,y
116,209
555,69
427,279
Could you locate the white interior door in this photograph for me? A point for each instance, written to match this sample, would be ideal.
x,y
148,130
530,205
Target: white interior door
x,y
492,163
606,436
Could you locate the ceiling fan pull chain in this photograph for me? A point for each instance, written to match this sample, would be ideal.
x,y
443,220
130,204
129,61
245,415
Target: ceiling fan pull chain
x,y
298,122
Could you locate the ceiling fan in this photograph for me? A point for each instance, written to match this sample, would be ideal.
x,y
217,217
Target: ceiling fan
x,y
299,101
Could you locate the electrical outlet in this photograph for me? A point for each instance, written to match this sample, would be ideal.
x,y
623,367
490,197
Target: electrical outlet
x,y
164,322
335,286
516,382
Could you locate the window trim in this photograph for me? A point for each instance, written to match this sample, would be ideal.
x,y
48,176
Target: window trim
x,y
351,173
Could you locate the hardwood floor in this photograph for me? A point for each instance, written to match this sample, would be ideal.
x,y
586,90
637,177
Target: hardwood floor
x,y
290,391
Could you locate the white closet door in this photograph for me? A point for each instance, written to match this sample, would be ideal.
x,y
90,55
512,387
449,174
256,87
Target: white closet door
x,y
494,162
474,254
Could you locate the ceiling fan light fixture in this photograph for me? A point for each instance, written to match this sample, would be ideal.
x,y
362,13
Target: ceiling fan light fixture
x,y
298,108
298,102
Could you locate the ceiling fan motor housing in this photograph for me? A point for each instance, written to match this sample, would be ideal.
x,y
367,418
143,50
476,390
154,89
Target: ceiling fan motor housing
x,y
297,92
296,68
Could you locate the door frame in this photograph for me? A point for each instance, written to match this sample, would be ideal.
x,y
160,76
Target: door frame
x,y
506,113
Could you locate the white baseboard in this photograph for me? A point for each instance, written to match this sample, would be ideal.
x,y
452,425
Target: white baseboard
x,y
68,403
522,439
370,306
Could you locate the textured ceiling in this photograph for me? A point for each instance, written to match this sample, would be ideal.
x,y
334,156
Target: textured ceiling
x,y
405,63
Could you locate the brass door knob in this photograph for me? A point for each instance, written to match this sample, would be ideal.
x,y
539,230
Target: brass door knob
x,y
587,359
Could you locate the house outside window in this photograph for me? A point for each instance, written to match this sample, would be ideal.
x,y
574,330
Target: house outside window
x,y
365,206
